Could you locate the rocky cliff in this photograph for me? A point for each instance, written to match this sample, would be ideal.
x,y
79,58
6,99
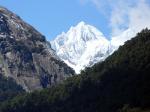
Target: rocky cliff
x,y
26,56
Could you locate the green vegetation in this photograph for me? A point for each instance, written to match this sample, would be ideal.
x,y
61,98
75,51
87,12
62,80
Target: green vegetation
x,y
8,88
119,84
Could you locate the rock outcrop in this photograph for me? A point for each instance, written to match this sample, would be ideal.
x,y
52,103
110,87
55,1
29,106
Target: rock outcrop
x,y
26,56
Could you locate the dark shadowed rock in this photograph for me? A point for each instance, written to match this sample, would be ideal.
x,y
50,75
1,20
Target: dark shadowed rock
x,y
26,56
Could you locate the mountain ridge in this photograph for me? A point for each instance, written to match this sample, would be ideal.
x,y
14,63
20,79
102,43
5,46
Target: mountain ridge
x,y
82,46
118,84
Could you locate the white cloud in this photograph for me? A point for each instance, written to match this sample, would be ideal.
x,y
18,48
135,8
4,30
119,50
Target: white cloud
x,y
118,18
124,16
139,16
129,15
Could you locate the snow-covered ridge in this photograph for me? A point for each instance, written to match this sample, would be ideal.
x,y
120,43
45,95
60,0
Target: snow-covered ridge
x,y
84,45
124,36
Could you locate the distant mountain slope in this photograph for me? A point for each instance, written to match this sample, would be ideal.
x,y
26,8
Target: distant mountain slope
x,y
83,45
26,56
121,83
123,37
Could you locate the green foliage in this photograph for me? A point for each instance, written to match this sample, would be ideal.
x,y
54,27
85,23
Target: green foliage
x,y
8,88
123,78
126,108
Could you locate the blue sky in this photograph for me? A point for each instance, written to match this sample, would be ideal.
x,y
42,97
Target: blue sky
x,y
51,17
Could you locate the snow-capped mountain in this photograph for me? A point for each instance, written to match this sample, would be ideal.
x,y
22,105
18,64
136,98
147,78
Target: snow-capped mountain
x,y
83,45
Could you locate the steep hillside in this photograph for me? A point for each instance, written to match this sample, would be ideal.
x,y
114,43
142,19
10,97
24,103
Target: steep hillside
x,y
119,84
26,56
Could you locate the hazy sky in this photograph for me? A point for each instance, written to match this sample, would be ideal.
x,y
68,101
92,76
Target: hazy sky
x,y
51,17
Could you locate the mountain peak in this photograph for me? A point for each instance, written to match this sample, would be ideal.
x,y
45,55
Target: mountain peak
x,y
80,26
82,23
85,32
2,8
83,45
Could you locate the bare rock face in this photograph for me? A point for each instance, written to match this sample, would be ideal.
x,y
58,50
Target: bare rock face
x,y
26,56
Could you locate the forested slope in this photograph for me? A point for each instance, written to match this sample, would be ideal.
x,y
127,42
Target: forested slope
x,y
120,83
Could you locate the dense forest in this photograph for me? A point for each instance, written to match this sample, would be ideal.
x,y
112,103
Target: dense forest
x,y
121,83
8,88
